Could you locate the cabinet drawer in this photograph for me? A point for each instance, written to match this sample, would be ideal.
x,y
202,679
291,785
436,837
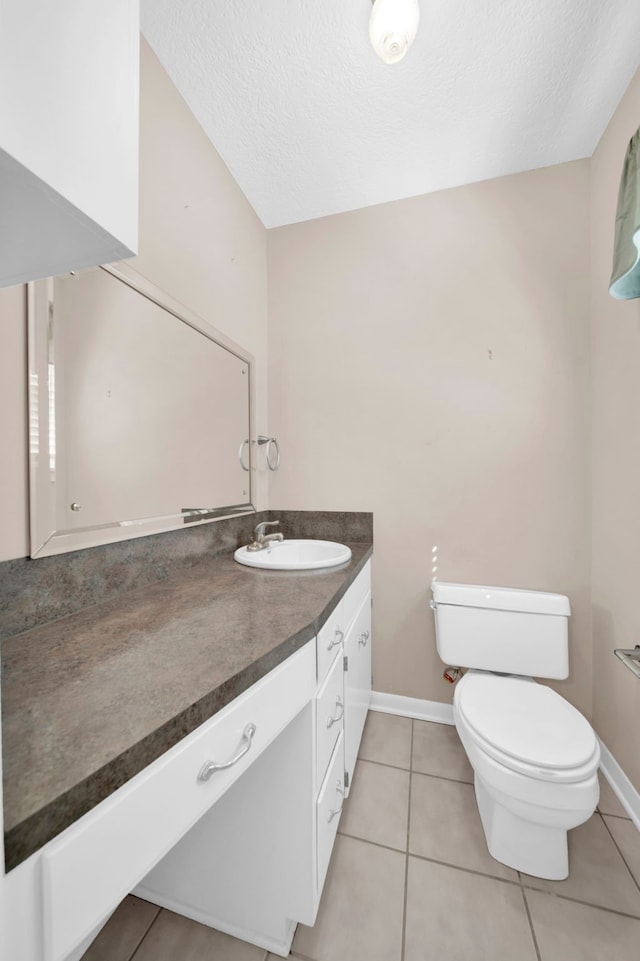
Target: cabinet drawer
x,y
329,808
329,716
103,856
329,641
355,595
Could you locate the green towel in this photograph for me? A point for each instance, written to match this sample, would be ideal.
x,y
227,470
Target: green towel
x,y
625,277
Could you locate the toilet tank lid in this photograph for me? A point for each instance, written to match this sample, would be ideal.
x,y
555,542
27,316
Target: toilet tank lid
x,y
500,598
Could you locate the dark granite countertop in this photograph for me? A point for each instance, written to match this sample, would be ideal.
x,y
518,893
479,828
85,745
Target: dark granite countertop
x,y
89,700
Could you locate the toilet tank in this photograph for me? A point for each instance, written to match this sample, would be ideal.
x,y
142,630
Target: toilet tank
x,y
502,629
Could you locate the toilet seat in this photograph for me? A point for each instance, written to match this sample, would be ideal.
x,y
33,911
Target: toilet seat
x,y
527,727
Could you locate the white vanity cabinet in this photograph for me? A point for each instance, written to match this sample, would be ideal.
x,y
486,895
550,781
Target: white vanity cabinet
x,y
69,93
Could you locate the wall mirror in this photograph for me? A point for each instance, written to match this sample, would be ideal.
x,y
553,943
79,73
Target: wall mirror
x,y
139,413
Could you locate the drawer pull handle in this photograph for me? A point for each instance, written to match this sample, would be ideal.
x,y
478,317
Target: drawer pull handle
x,y
364,638
337,717
209,767
337,639
338,810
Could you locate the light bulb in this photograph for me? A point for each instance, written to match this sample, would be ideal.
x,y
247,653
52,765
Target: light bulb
x,y
392,28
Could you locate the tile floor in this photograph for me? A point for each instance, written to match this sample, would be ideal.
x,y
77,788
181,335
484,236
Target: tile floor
x,y
411,880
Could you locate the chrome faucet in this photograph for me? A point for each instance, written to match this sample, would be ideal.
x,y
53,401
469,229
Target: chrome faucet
x,y
262,540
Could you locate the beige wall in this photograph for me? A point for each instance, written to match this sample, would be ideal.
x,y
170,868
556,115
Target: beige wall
x,y
616,458
200,241
429,361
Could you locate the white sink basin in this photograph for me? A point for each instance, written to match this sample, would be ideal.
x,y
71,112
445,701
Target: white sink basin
x,y
295,555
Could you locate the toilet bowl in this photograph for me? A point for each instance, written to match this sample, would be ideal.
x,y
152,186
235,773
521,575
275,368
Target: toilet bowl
x,y
535,762
534,756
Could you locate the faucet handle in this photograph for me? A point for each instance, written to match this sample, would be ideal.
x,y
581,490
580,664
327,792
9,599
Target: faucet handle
x,y
259,531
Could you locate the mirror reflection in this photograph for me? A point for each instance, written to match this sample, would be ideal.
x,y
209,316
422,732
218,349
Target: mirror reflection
x,y
138,411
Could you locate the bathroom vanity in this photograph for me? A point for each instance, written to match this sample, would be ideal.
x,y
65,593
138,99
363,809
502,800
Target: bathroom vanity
x,y
110,718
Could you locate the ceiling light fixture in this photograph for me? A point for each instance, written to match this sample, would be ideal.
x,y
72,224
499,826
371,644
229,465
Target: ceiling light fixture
x,y
392,27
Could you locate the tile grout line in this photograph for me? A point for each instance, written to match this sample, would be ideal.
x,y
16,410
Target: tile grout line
x,y
530,919
620,817
619,850
443,777
460,867
412,770
516,883
375,844
144,936
406,853
586,904
396,767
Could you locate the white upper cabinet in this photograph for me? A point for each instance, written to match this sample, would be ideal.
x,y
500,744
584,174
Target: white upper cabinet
x,y
69,98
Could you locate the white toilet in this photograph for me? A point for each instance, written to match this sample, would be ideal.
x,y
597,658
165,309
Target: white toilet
x,y
535,757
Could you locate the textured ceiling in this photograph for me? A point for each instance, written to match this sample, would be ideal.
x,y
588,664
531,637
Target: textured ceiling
x,y
310,122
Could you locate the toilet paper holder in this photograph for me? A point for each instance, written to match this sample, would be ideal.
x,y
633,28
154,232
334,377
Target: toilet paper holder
x,y
630,657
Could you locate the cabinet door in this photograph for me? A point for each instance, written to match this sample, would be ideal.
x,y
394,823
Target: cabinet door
x,y
357,683
69,72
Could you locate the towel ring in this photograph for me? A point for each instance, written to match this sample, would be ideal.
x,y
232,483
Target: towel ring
x,y
271,442
241,454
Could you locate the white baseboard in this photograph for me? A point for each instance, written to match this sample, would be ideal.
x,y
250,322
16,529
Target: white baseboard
x,y
412,707
620,784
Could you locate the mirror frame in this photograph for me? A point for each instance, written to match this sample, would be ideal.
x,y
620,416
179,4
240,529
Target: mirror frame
x,y
45,538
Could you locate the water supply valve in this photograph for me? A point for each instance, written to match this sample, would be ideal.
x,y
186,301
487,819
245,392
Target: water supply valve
x,y
452,674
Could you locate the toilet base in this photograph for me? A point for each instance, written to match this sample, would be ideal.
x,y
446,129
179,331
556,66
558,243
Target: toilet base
x,y
536,849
